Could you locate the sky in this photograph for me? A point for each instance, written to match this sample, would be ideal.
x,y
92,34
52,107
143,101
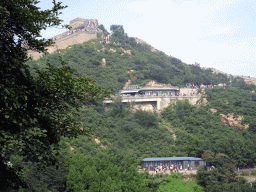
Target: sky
x,y
218,34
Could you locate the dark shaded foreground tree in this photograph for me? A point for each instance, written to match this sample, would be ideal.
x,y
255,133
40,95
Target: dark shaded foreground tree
x,y
34,111
222,175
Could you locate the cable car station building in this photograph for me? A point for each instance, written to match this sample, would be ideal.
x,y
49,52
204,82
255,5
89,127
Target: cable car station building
x,y
157,96
150,91
188,163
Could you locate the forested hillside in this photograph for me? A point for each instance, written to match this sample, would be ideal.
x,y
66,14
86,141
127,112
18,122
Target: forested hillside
x,y
127,59
109,158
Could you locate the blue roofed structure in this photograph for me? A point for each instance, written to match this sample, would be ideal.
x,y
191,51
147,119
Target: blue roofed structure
x,y
172,159
179,163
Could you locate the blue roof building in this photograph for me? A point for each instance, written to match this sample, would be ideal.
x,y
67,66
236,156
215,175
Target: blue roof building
x,y
189,163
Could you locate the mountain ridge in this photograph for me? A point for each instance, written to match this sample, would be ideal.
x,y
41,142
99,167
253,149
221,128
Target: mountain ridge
x,y
112,57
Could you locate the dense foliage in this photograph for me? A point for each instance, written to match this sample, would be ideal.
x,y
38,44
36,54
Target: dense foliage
x,y
139,132
198,130
140,67
87,166
126,136
40,105
222,175
34,111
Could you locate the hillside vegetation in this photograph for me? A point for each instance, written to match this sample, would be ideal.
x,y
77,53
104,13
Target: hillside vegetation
x,y
125,136
128,60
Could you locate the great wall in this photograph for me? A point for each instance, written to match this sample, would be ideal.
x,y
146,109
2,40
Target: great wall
x,y
82,31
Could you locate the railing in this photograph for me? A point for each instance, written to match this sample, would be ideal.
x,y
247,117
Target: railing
x,y
153,96
151,87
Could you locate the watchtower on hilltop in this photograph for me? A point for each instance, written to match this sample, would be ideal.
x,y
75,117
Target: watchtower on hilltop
x,y
87,24
75,23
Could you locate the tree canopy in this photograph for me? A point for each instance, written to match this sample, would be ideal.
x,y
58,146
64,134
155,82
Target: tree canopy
x,y
35,111
40,110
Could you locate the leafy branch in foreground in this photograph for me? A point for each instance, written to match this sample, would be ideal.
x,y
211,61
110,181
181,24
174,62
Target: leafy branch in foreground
x,y
34,111
40,113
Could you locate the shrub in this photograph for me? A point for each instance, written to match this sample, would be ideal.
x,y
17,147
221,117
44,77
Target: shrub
x,y
245,173
253,173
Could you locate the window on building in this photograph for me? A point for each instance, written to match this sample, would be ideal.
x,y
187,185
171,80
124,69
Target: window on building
x,y
197,163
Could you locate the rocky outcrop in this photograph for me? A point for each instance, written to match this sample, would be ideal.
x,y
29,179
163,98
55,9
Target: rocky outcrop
x,y
98,142
203,99
201,102
126,51
103,62
212,110
127,83
233,121
154,83
70,147
250,80
112,50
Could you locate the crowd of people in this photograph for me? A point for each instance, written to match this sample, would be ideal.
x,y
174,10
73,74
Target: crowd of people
x,y
170,169
192,86
105,41
92,24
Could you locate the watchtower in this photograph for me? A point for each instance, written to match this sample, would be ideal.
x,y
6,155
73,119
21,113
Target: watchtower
x,y
77,22
88,24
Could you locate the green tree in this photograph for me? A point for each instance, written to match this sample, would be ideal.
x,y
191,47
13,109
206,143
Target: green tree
x,y
34,111
104,30
120,28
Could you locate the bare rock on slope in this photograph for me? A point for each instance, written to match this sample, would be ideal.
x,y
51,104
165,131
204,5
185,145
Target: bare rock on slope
x,y
233,121
103,62
212,110
126,51
154,83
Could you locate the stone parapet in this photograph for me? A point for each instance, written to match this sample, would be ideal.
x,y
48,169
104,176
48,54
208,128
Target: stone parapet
x,y
63,43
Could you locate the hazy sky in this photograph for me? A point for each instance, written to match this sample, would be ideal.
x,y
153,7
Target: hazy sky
x,y
219,34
